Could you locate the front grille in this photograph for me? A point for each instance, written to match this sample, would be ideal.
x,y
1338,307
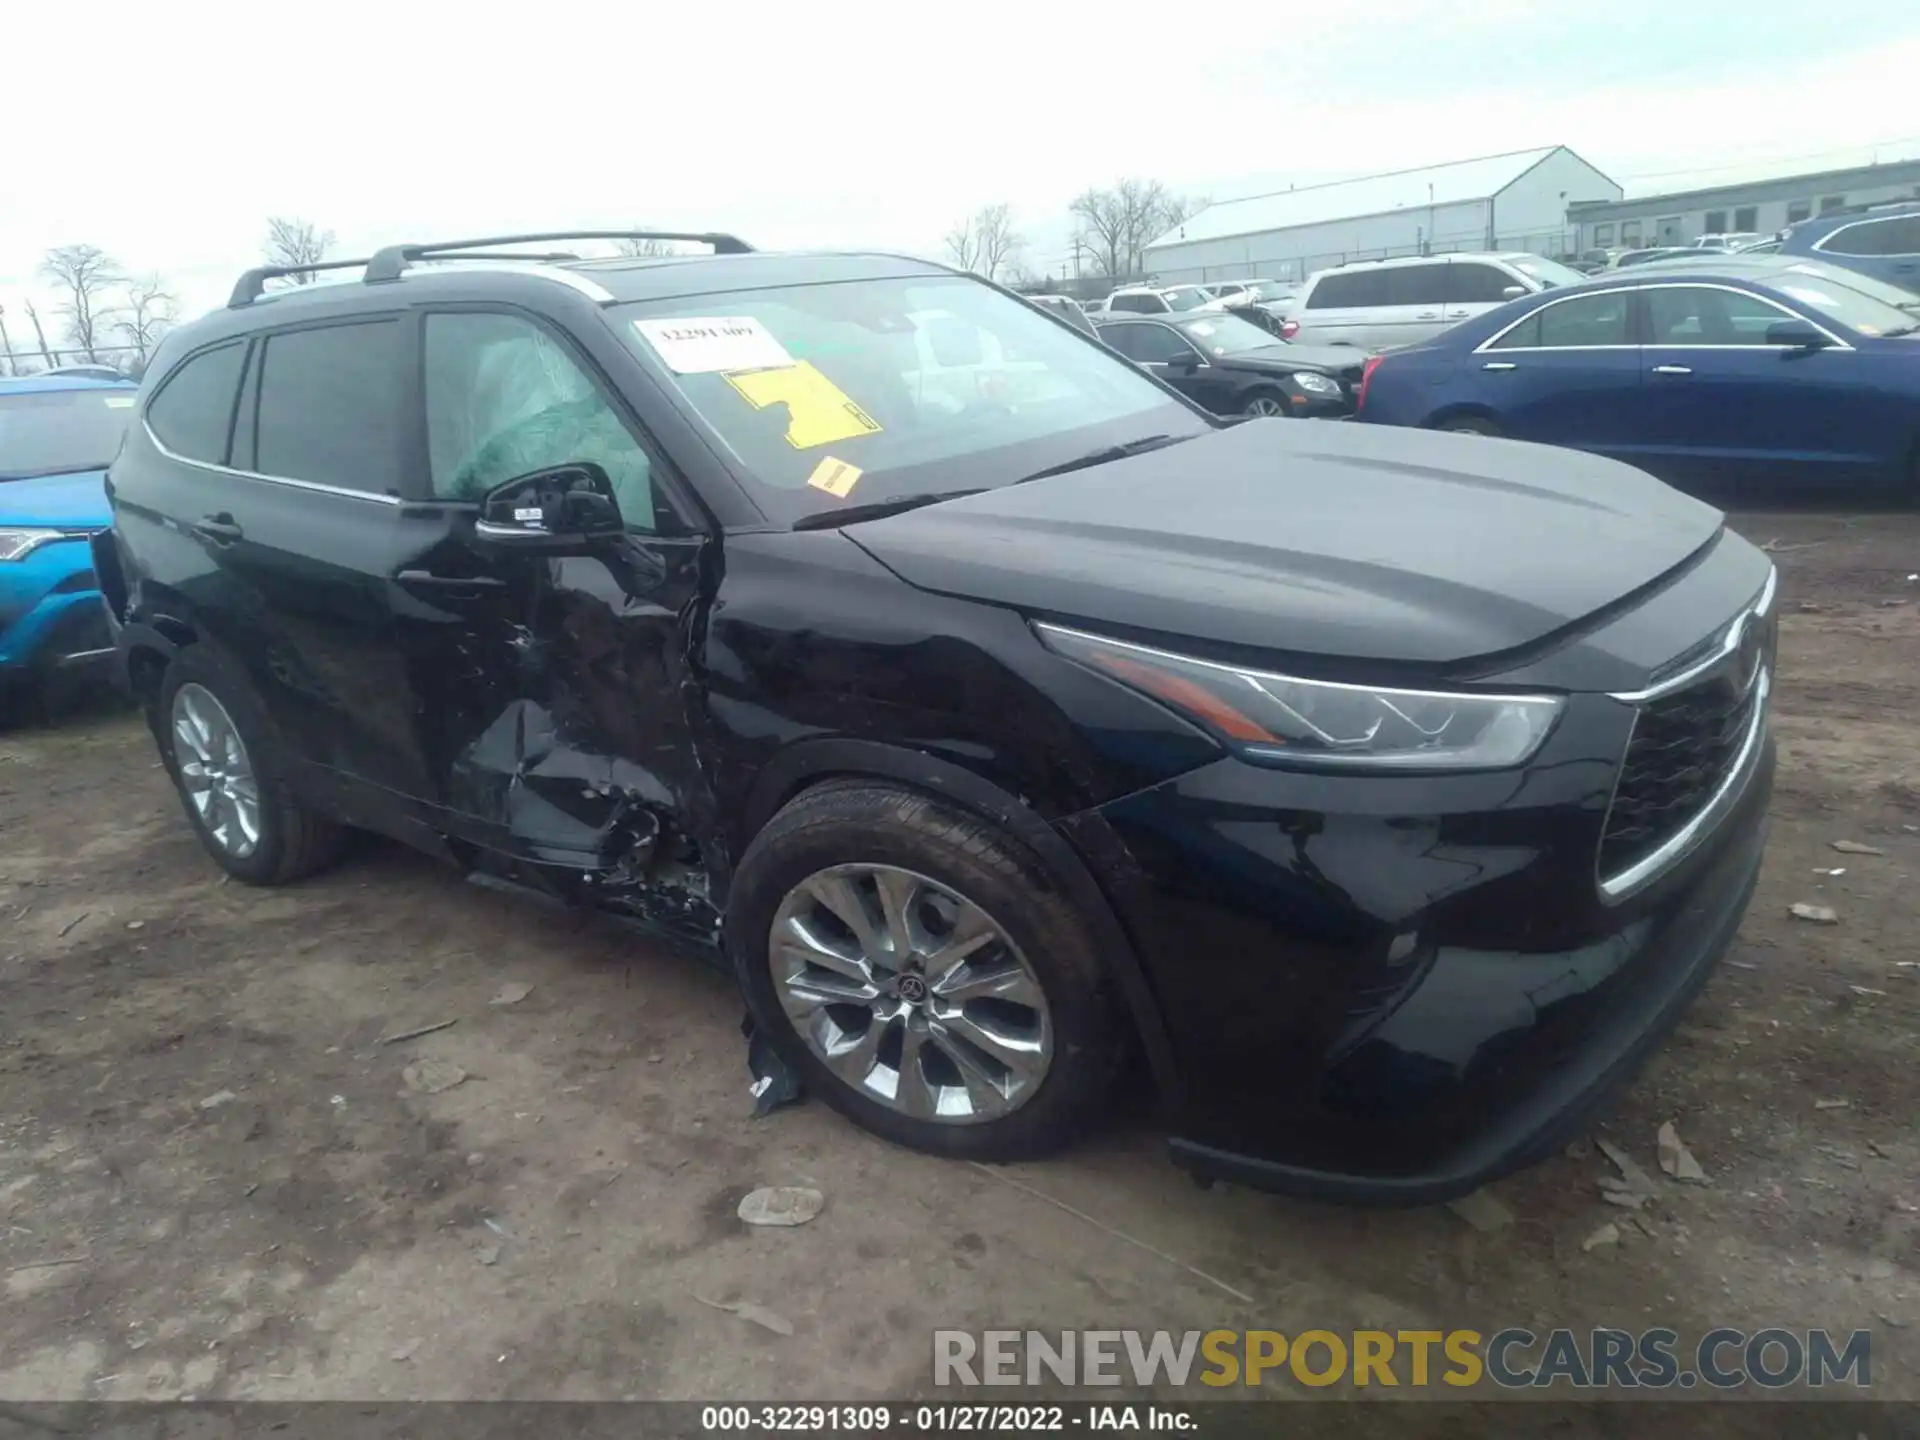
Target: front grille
x,y
1684,745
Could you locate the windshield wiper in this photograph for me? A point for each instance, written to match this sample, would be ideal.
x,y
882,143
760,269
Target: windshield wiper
x,y
1104,454
1899,331
873,510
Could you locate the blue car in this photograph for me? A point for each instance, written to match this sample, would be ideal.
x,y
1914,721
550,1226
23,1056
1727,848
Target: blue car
x,y
57,435
1768,369
1882,241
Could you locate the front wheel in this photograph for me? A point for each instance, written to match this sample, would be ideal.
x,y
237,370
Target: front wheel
x,y
1268,403
924,973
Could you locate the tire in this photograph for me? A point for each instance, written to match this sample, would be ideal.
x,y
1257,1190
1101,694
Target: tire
x,y
289,841
843,827
1274,402
1469,425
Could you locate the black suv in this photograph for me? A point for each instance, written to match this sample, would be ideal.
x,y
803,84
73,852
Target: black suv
x,y
994,712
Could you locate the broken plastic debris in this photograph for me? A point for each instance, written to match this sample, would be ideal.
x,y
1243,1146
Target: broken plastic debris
x,y
1832,1104
1854,847
775,1083
1482,1211
1607,1235
217,1099
1634,1176
1676,1159
1818,914
781,1205
754,1314
512,993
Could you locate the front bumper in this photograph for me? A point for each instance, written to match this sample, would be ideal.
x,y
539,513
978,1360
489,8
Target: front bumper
x,y
51,615
1394,990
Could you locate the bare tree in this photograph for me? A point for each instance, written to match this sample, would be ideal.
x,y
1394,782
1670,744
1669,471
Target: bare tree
x,y
39,335
149,313
963,244
995,240
293,241
985,241
84,276
650,248
1118,223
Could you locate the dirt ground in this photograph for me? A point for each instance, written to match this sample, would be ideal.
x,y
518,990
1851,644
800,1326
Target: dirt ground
x,y
215,1181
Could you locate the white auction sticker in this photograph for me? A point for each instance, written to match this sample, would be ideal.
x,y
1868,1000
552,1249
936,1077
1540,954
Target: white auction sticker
x,y
703,346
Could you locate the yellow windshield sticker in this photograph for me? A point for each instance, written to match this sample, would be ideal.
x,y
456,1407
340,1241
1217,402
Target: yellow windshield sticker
x,y
119,402
818,411
836,477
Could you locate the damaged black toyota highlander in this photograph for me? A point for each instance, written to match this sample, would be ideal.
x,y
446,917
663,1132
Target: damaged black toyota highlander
x,y
995,714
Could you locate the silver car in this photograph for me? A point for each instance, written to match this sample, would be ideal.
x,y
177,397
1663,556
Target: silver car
x,y
1386,304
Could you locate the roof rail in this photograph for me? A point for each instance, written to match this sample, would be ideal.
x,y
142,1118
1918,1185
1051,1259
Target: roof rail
x,y
252,285
389,263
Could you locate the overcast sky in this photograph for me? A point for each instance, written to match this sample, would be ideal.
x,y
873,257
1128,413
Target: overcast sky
x,y
167,132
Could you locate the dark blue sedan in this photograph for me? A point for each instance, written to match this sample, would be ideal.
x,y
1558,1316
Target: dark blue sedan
x,y
1768,368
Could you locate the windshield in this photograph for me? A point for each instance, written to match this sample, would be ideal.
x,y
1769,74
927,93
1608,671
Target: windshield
x,y
864,391
1546,273
1186,297
1228,335
54,432
1851,305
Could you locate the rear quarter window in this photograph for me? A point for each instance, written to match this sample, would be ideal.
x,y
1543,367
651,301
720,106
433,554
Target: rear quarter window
x,y
1341,292
192,413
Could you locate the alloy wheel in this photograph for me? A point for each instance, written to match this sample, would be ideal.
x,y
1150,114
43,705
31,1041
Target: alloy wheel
x,y
910,993
1265,405
215,771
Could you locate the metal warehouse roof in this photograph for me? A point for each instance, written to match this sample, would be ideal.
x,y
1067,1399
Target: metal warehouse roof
x,y
1463,180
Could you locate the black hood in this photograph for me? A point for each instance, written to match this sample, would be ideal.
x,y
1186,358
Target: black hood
x,y
1283,356
1361,541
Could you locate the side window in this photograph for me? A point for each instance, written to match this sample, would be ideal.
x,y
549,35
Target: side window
x,y
1135,304
1157,344
1471,284
1577,323
505,399
1349,291
1896,235
193,411
1123,338
327,411
1417,284
1695,315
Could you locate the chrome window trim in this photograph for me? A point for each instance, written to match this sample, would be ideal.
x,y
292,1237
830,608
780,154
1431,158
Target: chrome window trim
x,y
1658,283
1672,284
313,485
1494,339
1820,245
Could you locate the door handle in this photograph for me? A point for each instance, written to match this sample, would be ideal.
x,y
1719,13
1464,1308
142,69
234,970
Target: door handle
x,y
1673,369
1456,315
221,528
471,584
1428,315
1500,365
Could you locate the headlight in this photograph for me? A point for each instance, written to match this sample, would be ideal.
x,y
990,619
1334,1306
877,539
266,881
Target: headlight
x,y
18,544
1318,724
1315,384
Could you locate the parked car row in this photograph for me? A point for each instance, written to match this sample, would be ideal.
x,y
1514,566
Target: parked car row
x,y
1756,368
986,709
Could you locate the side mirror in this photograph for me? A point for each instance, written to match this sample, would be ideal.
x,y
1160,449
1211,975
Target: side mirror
x,y
1513,292
563,511
1797,335
1185,360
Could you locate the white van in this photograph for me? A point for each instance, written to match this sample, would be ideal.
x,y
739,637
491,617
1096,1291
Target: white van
x,y
1384,304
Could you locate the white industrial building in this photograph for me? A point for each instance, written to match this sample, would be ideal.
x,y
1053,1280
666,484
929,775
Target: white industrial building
x,y
1516,201
1680,217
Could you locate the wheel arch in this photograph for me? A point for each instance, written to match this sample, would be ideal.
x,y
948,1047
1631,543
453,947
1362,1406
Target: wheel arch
x,y
810,764
1461,410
